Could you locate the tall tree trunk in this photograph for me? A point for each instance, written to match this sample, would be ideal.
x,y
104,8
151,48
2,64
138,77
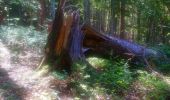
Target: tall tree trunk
x,y
52,9
122,19
98,20
87,11
149,30
138,25
113,18
42,13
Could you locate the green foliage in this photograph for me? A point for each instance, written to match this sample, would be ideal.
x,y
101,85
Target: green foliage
x,y
115,77
158,89
60,75
166,49
163,63
104,76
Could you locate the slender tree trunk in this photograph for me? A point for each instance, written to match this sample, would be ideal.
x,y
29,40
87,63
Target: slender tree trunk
x,y
101,20
52,9
98,21
150,30
122,20
138,25
42,13
87,11
113,18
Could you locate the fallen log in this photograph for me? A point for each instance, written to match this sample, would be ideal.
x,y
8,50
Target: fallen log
x,y
98,42
66,42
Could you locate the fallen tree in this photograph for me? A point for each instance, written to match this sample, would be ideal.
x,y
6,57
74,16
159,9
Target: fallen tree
x,y
98,41
68,42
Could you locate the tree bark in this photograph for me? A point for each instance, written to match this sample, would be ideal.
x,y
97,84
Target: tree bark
x,y
64,43
42,13
97,41
113,18
122,19
138,25
87,11
56,28
52,9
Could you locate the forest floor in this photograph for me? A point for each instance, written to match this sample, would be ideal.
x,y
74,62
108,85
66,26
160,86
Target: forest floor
x,y
20,81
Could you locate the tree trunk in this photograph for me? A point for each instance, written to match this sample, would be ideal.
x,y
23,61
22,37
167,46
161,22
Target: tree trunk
x,y
102,43
52,9
113,18
42,14
122,19
87,11
138,25
65,40
56,28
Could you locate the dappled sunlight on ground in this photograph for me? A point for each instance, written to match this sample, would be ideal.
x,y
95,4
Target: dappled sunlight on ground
x,y
20,81
167,79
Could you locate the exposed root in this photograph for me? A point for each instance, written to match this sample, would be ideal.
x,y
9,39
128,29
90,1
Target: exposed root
x,y
41,63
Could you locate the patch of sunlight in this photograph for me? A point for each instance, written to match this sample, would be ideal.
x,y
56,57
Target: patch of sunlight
x,y
45,96
97,62
43,71
168,34
77,98
167,80
4,56
83,86
87,76
2,93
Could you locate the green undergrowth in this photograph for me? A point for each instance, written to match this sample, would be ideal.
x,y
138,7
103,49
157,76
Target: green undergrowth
x,y
163,63
101,76
112,78
153,87
165,49
60,75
